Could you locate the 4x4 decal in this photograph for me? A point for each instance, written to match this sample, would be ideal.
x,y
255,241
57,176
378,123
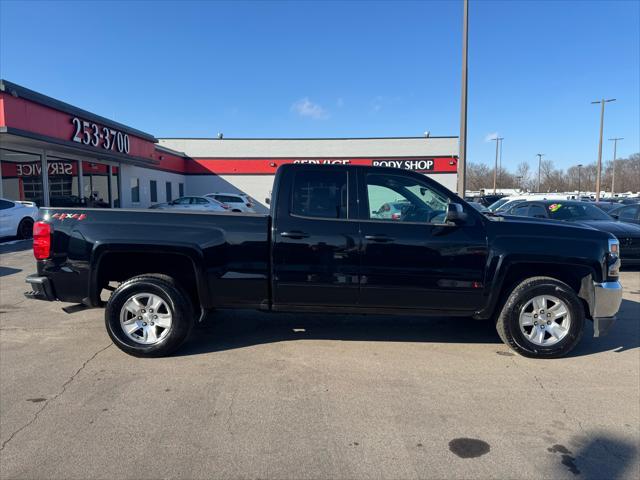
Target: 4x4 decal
x,y
73,216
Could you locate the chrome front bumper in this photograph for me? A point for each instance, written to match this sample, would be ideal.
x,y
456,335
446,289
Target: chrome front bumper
x,y
607,298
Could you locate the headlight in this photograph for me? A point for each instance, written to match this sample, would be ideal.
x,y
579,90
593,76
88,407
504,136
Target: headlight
x,y
613,261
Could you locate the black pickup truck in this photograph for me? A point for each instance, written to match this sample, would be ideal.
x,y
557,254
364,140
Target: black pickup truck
x,y
343,239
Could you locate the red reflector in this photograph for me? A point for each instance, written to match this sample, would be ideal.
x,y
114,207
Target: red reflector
x,y
41,240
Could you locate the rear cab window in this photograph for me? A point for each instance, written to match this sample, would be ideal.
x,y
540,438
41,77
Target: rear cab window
x,y
320,194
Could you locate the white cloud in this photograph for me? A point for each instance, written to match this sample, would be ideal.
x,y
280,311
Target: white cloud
x,y
306,108
491,136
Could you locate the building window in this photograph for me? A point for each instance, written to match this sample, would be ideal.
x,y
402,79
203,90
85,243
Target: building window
x,y
21,176
153,190
135,190
64,184
169,195
181,189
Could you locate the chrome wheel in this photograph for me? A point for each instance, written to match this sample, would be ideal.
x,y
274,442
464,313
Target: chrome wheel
x,y
545,320
145,318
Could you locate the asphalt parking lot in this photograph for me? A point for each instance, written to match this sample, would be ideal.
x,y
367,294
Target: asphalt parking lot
x,y
288,396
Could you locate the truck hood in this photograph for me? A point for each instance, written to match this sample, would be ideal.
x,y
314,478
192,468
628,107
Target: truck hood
x,y
612,226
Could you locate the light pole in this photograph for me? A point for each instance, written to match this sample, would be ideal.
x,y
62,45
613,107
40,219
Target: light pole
x,y
495,169
462,154
613,166
599,169
540,155
579,167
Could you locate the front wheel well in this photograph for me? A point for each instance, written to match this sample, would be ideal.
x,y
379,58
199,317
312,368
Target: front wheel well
x,y
120,266
572,275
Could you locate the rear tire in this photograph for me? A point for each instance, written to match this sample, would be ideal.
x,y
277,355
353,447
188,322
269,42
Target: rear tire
x,y
542,318
136,328
25,228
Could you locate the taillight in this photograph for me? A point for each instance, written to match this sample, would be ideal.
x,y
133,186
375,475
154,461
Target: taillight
x,y
41,240
225,206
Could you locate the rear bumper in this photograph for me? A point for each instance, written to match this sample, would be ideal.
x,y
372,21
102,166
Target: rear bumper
x,y
41,288
606,303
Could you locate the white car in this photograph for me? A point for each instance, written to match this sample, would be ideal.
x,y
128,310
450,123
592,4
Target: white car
x,y
237,201
16,218
202,204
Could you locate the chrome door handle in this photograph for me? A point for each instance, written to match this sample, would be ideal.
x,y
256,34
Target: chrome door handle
x,y
378,238
295,235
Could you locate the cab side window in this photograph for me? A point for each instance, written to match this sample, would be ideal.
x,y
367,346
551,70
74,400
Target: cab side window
x,y
629,213
520,210
537,211
320,194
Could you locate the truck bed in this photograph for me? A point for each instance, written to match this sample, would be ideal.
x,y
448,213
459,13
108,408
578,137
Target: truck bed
x,y
229,251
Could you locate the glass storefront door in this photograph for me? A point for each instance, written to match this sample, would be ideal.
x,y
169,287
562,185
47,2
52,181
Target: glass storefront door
x,y
96,184
21,176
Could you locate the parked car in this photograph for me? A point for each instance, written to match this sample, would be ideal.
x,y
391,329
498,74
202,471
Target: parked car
x,y
237,201
390,210
205,204
587,214
506,203
485,200
626,213
606,206
479,207
323,250
16,218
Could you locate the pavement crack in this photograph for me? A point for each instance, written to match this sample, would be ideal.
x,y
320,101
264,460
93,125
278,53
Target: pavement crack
x,y
56,396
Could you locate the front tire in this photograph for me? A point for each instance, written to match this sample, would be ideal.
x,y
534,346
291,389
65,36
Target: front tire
x,y
542,318
149,316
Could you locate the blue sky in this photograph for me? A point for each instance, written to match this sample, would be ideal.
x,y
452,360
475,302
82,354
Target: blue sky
x,y
305,69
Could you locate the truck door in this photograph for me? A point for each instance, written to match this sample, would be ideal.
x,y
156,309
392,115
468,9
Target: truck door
x,y
412,259
316,238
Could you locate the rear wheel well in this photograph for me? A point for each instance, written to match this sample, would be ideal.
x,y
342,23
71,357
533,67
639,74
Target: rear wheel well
x,y
572,275
120,266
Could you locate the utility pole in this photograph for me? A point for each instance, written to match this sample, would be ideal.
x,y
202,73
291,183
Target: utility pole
x,y
495,169
462,154
540,155
599,169
579,167
613,166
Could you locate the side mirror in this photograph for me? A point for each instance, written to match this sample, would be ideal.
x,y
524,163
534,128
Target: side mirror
x,y
267,201
615,215
455,213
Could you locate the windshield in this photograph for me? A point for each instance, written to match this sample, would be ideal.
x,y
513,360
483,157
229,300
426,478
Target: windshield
x,y
574,211
506,206
497,204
